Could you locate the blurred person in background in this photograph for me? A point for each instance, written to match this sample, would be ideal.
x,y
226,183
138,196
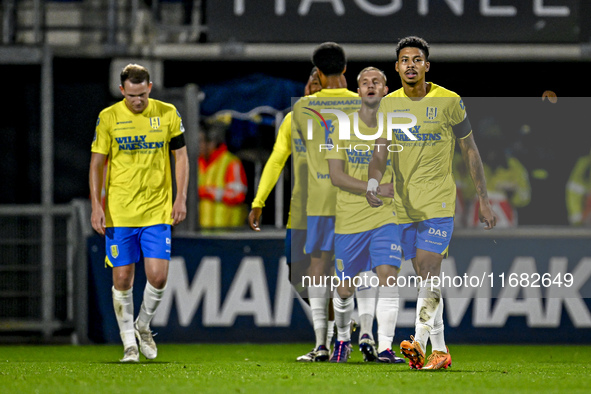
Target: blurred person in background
x,y
552,139
578,193
221,179
507,179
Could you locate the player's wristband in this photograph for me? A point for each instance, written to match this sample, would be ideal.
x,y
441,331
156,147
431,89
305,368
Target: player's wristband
x,y
372,185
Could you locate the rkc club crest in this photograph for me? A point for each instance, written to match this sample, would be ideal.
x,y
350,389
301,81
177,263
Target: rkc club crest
x,y
431,113
155,123
114,251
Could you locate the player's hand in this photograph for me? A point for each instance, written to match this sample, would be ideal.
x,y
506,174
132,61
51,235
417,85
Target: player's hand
x,y
487,215
254,218
386,190
179,212
373,199
373,189
97,219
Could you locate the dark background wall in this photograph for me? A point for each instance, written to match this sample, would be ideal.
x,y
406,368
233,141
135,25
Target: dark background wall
x,y
82,89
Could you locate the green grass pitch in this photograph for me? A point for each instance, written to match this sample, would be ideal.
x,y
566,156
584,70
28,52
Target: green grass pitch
x,y
249,368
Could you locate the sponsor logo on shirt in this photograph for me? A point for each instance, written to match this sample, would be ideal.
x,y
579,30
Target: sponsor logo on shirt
x,y
402,136
299,145
137,142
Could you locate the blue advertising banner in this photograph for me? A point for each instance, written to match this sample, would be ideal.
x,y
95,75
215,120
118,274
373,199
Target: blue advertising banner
x,y
218,290
496,290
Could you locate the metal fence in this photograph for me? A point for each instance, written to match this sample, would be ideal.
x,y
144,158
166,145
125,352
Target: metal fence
x,y
115,23
43,271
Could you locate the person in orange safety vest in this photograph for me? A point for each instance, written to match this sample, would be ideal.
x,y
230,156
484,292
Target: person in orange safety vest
x,y
221,179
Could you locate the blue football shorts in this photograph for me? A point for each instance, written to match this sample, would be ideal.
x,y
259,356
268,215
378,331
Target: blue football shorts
x,y
295,241
432,235
355,253
320,234
124,244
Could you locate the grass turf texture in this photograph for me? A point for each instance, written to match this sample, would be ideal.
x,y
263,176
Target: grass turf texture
x,y
272,368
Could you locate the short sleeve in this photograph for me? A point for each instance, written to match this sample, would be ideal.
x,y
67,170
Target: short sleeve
x,y
459,119
336,149
176,124
102,136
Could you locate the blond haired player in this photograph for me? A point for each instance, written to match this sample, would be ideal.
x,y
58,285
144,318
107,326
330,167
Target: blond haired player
x,y
365,238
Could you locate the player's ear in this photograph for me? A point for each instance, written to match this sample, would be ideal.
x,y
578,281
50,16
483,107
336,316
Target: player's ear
x,y
396,66
427,66
385,90
122,90
149,87
321,78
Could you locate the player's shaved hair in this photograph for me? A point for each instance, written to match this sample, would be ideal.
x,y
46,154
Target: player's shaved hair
x,y
330,58
371,68
135,74
413,42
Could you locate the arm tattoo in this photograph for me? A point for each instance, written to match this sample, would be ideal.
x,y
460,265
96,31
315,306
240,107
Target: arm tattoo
x,y
472,159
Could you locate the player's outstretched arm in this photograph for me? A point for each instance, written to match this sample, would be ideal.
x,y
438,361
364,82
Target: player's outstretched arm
x,y
271,172
269,177
377,167
473,162
181,165
97,217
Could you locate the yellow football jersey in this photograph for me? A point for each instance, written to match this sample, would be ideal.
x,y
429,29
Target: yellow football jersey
x,y
139,180
425,187
315,129
286,144
353,213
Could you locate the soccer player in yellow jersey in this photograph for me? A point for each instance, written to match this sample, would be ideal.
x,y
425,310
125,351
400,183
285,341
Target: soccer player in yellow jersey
x,y
137,135
365,238
316,128
287,144
425,191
